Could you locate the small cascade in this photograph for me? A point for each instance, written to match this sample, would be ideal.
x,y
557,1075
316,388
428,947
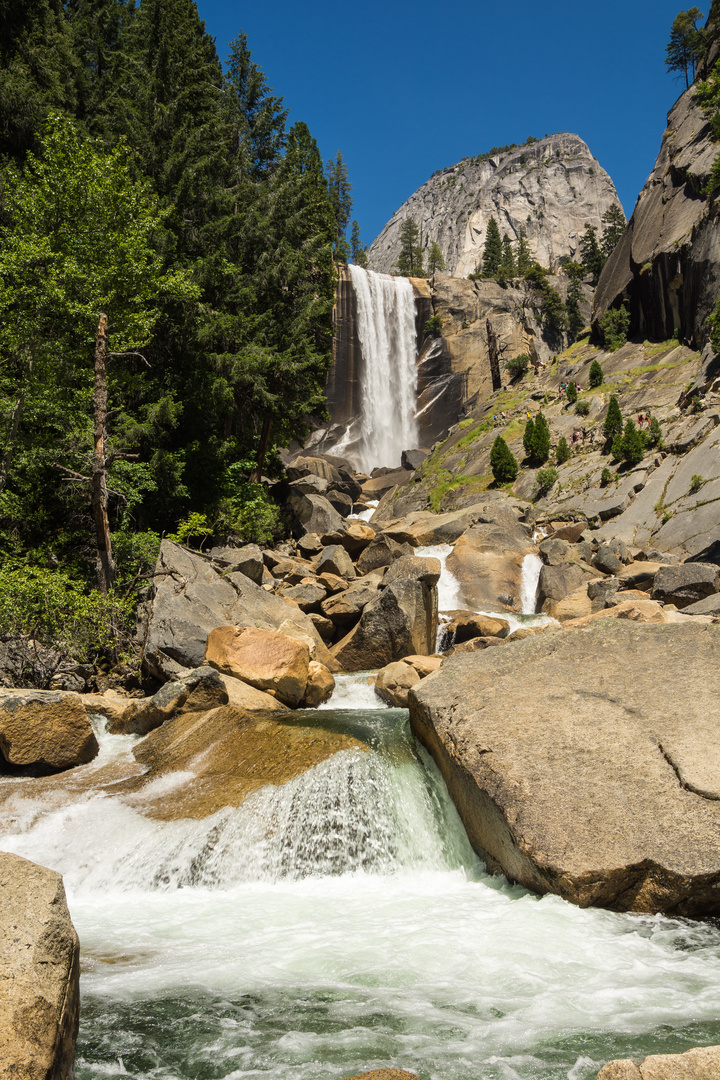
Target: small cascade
x,y
531,567
386,329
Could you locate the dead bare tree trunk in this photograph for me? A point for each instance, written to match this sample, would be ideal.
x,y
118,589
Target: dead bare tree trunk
x,y
494,356
105,563
257,472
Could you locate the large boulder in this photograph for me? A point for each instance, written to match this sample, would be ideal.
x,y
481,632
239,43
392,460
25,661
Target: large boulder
x,y
588,764
487,561
191,599
40,973
381,551
198,691
266,660
44,731
556,582
314,513
685,584
400,622
246,560
700,1063
344,608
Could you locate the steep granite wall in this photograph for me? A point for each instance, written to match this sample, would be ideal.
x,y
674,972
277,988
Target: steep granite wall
x,y
552,187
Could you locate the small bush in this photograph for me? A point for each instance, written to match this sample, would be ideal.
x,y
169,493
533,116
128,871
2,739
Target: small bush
x,y
606,477
696,404
433,326
502,462
614,327
596,374
562,451
571,393
696,482
582,408
653,436
545,480
518,366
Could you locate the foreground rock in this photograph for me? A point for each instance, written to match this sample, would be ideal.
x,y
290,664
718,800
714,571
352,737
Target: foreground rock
x,y
40,973
199,691
702,1063
588,764
273,663
43,731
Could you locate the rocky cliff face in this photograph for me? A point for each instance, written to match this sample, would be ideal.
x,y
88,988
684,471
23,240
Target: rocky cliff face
x,y
552,187
667,264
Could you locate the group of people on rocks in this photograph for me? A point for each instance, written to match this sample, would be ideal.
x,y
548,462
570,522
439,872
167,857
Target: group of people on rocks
x,y
579,436
644,419
501,417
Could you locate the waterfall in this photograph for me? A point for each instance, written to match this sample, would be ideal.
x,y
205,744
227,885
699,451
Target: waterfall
x,y
386,329
531,567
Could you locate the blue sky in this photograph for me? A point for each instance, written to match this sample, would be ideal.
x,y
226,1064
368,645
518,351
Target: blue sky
x,y
404,89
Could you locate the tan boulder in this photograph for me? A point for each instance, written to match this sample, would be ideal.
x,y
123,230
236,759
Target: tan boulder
x,y
700,1063
424,665
110,704
198,691
332,583
487,562
39,973
576,605
385,1074
472,625
637,610
320,684
44,731
356,537
244,696
394,681
265,659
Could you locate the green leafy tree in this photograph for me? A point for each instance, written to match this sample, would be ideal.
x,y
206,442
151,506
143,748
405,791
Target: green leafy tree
x,y
596,376
655,433
436,262
613,421
685,47
562,451
502,462
540,448
492,251
410,259
546,479
614,221
518,366
76,255
340,190
590,252
614,326
528,436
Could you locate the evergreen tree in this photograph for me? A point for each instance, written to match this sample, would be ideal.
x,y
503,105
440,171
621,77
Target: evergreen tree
x,y
575,321
528,436
356,247
596,374
340,189
508,267
613,421
502,462
614,220
633,444
255,115
540,449
436,261
99,30
592,258
571,392
562,451
685,47
492,251
524,258
410,259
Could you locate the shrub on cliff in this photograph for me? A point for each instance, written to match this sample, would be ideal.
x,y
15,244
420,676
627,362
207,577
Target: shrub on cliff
x,y
540,448
518,366
614,327
562,451
546,478
613,421
502,462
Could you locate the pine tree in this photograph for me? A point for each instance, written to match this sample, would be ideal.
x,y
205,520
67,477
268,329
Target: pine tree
x,y
100,30
356,247
502,462
596,376
592,258
562,451
614,220
575,321
540,449
684,49
256,116
492,251
571,392
508,267
523,257
613,421
410,259
340,189
633,444
436,261
528,436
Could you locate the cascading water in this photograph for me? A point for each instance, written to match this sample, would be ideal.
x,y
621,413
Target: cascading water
x,y
386,329
530,576
341,923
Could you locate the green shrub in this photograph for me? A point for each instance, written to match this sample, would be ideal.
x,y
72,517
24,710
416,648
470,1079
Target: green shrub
x,y
653,436
518,366
562,451
433,326
696,482
630,446
250,514
571,392
613,421
545,480
502,462
614,327
582,408
540,444
596,374
606,477
194,525
696,404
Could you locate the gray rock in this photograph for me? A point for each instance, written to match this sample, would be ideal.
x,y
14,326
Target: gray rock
x,y
314,513
412,566
606,560
309,545
344,608
413,459
310,485
588,764
40,1002
603,592
685,584
198,691
308,596
247,560
555,582
554,551
382,551
709,606
335,560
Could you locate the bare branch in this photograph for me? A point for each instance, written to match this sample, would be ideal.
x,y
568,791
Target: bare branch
x,y
71,472
140,355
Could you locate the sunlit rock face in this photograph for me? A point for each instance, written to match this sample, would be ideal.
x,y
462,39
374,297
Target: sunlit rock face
x,y
552,187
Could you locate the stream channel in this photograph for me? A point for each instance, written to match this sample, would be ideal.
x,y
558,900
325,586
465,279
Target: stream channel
x,y
341,922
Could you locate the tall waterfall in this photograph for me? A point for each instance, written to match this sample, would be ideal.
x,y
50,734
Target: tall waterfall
x,y
386,329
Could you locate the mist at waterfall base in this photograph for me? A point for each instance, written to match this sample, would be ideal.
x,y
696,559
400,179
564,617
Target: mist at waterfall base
x,y
341,922
387,424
